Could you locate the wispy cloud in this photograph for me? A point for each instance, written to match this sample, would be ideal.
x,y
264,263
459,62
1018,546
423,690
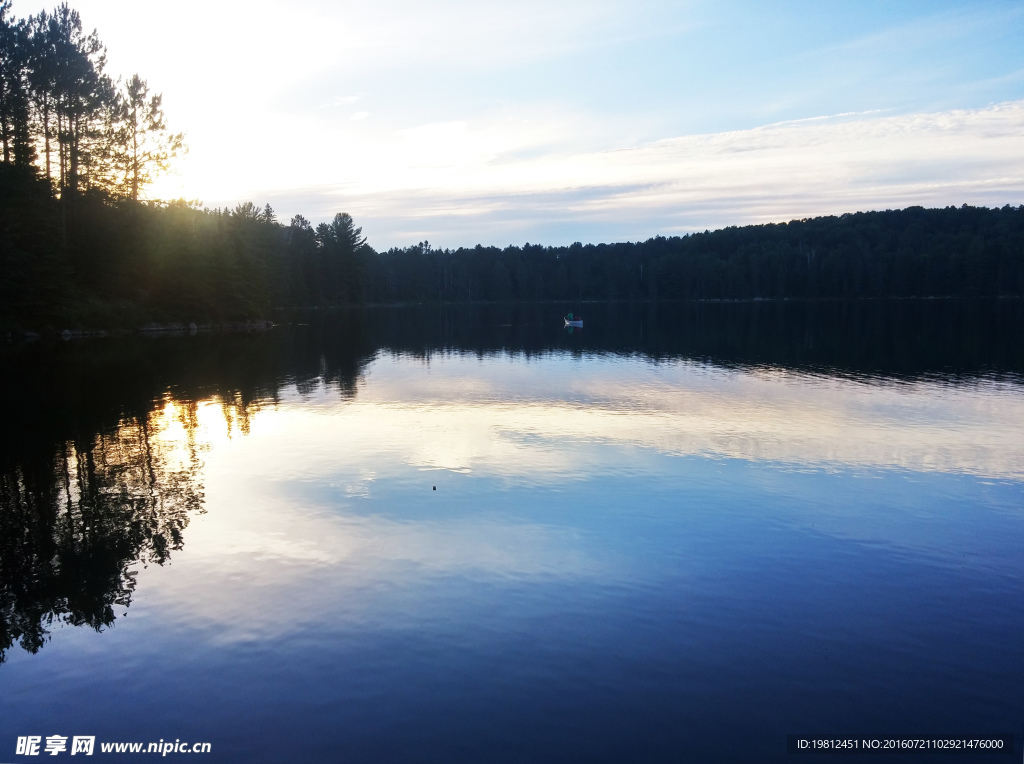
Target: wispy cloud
x,y
341,101
936,28
456,186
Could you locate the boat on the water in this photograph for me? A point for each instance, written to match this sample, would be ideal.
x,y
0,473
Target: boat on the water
x,y
576,321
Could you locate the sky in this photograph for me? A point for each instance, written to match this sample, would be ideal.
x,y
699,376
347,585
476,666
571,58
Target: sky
x,y
554,121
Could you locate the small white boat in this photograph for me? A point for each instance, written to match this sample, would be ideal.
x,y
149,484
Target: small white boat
x,y
576,321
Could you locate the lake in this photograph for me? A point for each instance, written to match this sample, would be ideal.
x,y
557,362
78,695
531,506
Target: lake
x,y
468,534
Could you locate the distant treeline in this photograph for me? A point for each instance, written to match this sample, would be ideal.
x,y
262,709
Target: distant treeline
x,y
916,252
117,262
79,249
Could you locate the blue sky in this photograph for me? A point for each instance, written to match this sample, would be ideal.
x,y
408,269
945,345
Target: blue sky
x,y
551,122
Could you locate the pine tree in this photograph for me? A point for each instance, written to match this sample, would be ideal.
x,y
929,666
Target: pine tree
x,y
146,146
14,89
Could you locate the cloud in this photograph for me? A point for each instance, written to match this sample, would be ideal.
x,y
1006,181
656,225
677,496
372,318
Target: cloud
x,y
462,183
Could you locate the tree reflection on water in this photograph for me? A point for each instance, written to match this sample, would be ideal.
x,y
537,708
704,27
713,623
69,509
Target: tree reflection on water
x,y
75,524
101,460
101,453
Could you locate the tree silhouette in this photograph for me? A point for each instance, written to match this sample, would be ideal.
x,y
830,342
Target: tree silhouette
x,y
145,145
86,103
15,98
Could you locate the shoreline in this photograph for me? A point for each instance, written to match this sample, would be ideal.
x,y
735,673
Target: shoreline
x,y
158,328
151,329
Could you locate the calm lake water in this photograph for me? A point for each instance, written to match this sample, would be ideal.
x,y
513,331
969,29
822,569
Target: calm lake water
x,y
469,535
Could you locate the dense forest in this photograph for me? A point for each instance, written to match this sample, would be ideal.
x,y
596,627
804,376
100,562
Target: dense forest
x,y
916,252
81,247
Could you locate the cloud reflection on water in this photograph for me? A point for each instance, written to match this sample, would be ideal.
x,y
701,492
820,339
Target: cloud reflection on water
x,y
502,416
326,505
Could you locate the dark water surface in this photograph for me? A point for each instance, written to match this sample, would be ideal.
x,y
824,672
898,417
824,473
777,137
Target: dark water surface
x,y
680,534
